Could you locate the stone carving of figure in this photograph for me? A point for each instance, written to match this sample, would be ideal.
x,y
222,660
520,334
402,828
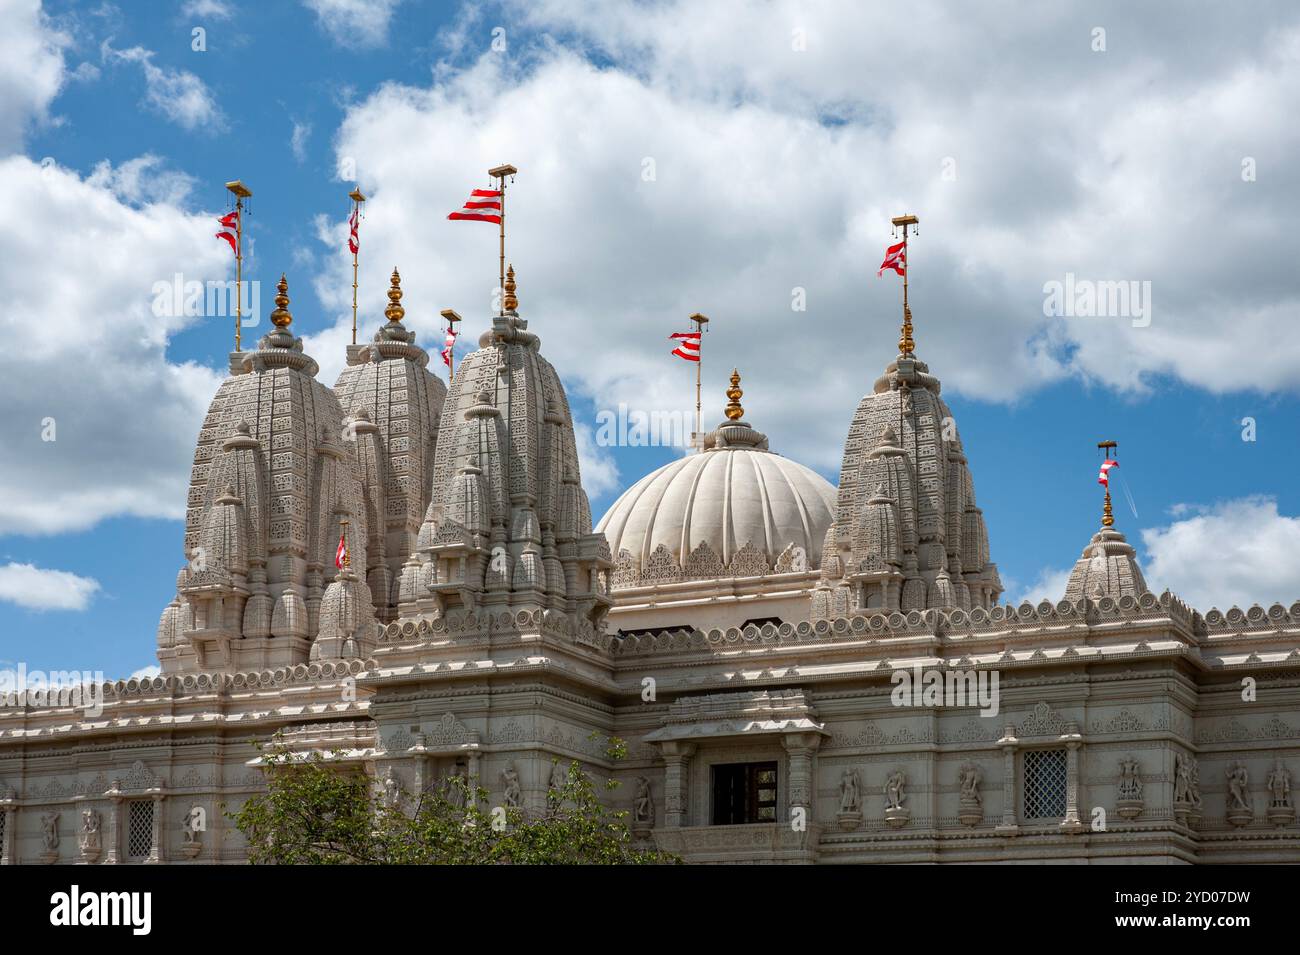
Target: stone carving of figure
x,y
970,778
559,777
193,823
511,780
643,807
894,795
1238,780
89,829
1130,779
454,786
1279,786
50,831
392,790
850,791
1186,780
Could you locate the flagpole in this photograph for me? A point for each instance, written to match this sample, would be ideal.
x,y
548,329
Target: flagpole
x,y
357,198
241,192
700,321
1107,515
499,173
906,345
452,318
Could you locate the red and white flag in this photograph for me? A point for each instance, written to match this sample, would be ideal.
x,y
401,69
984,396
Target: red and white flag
x,y
354,239
895,258
688,345
1104,476
483,205
448,346
341,554
230,232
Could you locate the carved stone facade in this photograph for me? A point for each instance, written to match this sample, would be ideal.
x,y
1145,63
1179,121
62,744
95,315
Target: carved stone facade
x,y
1118,730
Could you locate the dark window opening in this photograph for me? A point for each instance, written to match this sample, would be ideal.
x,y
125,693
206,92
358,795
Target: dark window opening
x,y
744,793
762,622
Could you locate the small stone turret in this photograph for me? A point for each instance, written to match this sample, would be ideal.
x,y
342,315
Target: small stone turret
x,y
1108,566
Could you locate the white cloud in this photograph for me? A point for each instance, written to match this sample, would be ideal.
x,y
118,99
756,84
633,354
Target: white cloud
x,y
298,140
212,9
35,588
85,350
596,465
1238,552
146,673
1050,585
31,69
775,169
86,72
361,23
178,95
141,180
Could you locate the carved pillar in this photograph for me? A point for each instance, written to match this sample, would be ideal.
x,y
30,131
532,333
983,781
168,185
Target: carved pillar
x,y
799,749
1008,742
677,757
11,821
155,837
114,824
1071,821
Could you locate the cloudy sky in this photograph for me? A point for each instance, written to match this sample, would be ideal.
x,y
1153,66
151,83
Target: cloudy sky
x,y
741,159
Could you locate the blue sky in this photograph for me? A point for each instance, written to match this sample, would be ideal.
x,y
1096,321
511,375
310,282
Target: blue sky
x,y
1110,164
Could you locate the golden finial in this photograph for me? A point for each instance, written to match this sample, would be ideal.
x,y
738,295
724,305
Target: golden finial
x,y
281,318
1107,517
511,303
395,312
734,411
906,346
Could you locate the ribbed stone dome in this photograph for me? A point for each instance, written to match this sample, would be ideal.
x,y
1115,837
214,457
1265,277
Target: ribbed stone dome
x,y
732,510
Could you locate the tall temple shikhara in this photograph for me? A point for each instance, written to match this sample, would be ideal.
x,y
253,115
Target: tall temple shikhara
x,y
481,627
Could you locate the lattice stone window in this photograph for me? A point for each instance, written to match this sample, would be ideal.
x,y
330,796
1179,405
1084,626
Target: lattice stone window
x,y
1045,783
139,829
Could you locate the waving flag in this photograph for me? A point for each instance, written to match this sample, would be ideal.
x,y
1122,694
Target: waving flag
x,y
341,555
1104,476
354,240
688,346
483,205
895,258
231,231
448,346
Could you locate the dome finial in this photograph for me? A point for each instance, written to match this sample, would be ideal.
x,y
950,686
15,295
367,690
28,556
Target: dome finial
x,y
1108,461
511,303
394,312
734,411
281,318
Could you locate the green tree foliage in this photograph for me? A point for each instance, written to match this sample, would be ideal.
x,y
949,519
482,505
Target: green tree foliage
x,y
319,811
